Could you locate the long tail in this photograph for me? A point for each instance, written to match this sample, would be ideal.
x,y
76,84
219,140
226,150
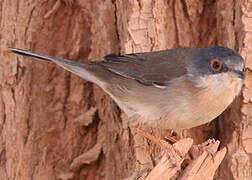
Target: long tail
x,y
32,54
83,70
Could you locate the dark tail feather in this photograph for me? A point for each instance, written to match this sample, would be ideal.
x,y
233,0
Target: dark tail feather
x,y
32,54
87,71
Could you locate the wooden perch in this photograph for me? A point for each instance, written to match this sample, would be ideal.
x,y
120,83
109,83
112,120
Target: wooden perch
x,y
206,160
165,169
205,165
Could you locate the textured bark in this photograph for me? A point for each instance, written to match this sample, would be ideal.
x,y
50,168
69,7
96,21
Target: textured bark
x,y
54,125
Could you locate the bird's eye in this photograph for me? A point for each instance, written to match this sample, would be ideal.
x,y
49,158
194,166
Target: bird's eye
x,y
216,65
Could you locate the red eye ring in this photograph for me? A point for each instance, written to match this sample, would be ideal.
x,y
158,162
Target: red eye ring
x,y
216,64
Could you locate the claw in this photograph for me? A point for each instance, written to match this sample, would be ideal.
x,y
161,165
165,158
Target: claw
x,y
175,156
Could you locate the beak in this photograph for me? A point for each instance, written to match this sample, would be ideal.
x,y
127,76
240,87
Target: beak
x,y
239,74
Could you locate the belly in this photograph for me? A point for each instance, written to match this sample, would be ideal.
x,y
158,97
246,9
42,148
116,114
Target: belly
x,y
201,109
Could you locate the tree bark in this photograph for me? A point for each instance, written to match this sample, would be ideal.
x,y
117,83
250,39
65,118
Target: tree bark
x,y
55,125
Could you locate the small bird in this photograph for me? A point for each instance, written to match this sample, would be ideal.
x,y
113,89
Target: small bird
x,y
172,89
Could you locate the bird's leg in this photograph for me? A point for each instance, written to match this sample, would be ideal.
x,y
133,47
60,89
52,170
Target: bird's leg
x,y
196,150
172,152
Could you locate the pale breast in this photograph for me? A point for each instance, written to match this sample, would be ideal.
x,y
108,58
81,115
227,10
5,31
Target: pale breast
x,y
206,104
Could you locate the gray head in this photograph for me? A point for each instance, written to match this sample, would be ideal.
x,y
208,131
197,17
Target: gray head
x,y
218,64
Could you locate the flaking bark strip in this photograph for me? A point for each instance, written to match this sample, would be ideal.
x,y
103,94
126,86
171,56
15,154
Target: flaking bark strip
x,y
86,118
86,158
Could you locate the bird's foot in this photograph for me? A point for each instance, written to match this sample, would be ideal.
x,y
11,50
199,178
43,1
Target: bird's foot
x,y
175,156
197,150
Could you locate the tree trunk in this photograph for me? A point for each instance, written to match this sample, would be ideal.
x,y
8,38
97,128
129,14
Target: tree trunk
x,y
55,125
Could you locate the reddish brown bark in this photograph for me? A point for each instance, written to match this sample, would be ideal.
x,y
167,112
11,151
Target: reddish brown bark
x,y
54,125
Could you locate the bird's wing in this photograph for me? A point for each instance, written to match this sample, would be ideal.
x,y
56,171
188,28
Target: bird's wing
x,y
152,68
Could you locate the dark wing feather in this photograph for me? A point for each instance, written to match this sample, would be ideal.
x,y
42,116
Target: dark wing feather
x,y
152,67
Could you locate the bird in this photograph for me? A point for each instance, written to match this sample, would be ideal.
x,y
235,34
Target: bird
x,y
174,89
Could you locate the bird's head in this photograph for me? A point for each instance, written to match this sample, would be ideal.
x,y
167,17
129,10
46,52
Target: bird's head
x,y
217,68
